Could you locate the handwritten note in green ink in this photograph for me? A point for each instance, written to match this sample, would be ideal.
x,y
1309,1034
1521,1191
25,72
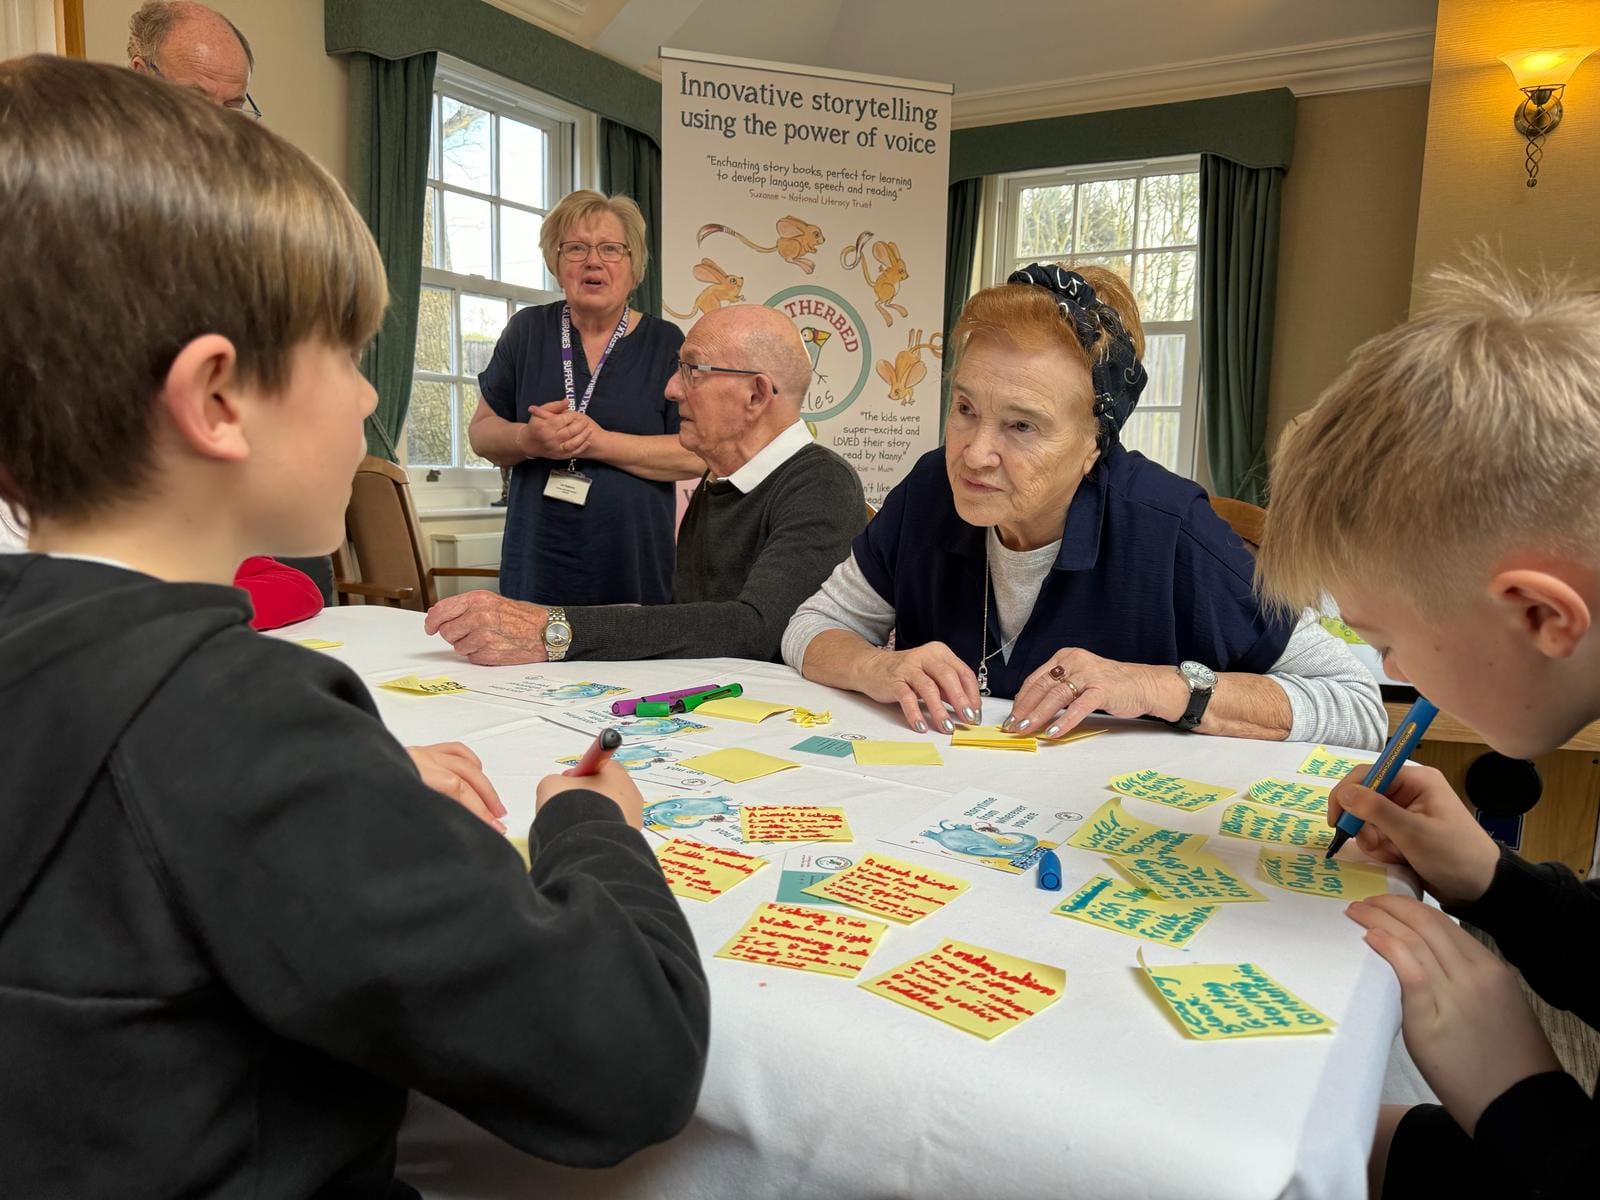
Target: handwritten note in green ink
x,y
1192,876
1296,797
1186,794
1227,1000
1123,908
1112,831
1257,824
1318,876
1325,764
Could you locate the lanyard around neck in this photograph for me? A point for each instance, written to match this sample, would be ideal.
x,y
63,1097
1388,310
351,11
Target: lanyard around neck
x,y
566,360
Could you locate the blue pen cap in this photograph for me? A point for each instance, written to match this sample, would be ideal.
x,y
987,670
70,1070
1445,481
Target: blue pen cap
x,y
1049,871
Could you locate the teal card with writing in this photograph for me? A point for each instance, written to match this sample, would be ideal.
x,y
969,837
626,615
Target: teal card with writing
x,y
831,747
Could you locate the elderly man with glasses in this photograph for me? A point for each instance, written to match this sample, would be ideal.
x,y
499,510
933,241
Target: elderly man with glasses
x,y
194,47
773,515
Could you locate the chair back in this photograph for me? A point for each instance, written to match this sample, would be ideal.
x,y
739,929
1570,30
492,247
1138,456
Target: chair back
x,y
1244,518
384,535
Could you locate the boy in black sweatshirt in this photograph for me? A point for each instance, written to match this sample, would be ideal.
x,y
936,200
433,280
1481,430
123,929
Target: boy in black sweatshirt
x,y
235,924
1446,492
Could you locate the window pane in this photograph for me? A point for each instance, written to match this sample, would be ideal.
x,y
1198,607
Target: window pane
x,y
1122,264
433,139
522,151
1105,216
482,319
1163,360
428,425
430,241
466,146
469,406
1044,222
466,248
1164,285
521,260
1169,210
433,330
1155,435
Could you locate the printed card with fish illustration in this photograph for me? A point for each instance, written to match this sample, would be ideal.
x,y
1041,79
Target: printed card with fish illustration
x,y
988,828
713,817
657,763
593,720
1255,823
1315,875
1325,764
1110,830
538,688
1125,908
981,991
1296,797
1185,794
1212,1001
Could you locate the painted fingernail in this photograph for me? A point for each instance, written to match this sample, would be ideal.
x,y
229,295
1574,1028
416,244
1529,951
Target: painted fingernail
x,y
1023,724
500,825
921,727
949,728
972,714
1052,731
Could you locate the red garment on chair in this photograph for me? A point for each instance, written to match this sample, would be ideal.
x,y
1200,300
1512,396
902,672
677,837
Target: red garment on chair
x,y
281,594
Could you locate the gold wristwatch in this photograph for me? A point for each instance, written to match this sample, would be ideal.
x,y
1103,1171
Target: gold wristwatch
x,y
557,635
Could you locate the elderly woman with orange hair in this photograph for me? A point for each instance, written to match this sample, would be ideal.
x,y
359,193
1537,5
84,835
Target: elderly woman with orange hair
x,y
1038,559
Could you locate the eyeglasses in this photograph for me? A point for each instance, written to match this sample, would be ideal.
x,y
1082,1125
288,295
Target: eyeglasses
x,y
245,108
688,372
608,251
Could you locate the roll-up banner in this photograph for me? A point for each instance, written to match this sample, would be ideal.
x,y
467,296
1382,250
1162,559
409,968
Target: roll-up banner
x,y
821,194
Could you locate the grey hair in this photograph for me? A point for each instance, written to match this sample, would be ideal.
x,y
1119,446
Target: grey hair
x,y
153,21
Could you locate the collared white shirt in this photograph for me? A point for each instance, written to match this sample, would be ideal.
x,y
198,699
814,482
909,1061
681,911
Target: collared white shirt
x,y
770,457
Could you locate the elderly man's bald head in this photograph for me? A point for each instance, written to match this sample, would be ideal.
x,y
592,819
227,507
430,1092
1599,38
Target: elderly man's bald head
x,y
193,46
757,338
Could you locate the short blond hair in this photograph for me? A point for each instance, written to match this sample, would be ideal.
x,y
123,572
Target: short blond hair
x,y
582,204
1466,434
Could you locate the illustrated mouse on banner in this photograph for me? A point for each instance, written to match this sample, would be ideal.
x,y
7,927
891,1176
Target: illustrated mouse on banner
x,y
908,369
891,273
721,289
797,240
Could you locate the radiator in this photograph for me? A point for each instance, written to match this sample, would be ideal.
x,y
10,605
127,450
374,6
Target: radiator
x,y
464,550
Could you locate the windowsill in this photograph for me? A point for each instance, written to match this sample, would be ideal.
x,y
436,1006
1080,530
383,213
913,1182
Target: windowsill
x,y
459,511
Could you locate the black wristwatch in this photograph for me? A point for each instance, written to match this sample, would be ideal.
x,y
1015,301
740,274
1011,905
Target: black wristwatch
x,y
1202,681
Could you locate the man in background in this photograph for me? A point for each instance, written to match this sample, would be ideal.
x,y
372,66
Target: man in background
x,y
195,47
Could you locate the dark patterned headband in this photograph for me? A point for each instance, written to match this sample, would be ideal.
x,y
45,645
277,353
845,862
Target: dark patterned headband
x,y
1119,377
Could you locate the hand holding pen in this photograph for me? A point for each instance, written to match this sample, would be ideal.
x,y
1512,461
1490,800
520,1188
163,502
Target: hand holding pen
x,y
596,772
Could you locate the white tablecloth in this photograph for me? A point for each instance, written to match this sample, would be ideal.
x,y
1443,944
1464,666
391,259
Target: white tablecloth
x,y
815,1088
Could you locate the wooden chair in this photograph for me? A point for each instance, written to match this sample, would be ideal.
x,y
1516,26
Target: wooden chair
x,y
382,560
1244,518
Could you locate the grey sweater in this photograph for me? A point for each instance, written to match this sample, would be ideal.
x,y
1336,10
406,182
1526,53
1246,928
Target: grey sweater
x,y
745,563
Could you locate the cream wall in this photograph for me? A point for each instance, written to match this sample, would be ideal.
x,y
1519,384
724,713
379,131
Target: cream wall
x,y
1473,181
303,93
1349,224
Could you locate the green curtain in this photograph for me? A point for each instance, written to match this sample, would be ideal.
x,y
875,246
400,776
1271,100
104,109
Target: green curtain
x,y
390,103
961,248
1239,209
630,165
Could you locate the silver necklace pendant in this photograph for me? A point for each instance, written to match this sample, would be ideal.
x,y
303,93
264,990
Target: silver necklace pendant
x,y
983,679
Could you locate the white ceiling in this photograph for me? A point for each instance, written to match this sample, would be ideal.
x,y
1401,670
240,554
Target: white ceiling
x,y
1015,59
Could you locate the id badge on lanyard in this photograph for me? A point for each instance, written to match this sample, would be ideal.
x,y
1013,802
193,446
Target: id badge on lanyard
x,y
572,485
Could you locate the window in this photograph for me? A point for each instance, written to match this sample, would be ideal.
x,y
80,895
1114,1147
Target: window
x,y
500,158
1142,220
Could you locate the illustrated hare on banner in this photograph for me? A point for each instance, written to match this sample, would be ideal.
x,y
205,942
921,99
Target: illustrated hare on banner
x,y
891,273
908,369
721,289
797,240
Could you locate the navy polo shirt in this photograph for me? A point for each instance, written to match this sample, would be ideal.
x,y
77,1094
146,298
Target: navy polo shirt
x,y
1147,573
617,548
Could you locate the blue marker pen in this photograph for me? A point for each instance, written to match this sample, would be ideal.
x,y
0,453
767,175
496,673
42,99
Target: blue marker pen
x,y
1049,871
1381,774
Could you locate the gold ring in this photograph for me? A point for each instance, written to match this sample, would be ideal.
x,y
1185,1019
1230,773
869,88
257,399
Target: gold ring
x,y
1058,673
1073,686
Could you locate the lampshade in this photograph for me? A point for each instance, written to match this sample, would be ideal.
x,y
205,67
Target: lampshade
x,y
1545,68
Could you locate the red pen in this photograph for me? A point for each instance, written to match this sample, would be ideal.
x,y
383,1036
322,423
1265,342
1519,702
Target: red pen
x,y
596,756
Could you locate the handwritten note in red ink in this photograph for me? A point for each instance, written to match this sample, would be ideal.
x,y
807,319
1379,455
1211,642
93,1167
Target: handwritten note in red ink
x,y
897,891
794,823
805,939
982,991
699,872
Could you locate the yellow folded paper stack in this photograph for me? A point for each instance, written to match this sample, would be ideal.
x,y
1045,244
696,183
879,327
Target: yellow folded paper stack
x,y
992,737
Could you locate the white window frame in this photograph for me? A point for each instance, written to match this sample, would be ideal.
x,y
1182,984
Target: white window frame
x,y
1001,197
573,163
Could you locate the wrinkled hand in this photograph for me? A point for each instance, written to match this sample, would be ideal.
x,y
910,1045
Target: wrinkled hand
x,y
452,770
611,780
555,431
1465,1020
1423,823
490,630
931,676
1098,684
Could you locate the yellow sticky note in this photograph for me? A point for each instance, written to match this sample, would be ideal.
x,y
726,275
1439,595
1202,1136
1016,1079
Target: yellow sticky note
x,y
1319,876
793,823
439,685
699,872
1257,824
1195,875
1186,794
1227,1000
805,939
898,891
1296,797
1123,908
319,644
978,990
1110,830
896,754
992,737
737,708
809,719
520,845
1077,735
736,766
1325,764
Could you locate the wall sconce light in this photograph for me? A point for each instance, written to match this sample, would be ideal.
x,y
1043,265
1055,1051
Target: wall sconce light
x,y
1542,75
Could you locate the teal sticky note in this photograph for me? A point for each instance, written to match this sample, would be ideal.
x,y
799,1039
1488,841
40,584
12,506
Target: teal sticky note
x,y
832,747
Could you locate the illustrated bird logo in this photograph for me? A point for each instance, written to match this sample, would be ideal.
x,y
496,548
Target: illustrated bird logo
x,y
815,339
